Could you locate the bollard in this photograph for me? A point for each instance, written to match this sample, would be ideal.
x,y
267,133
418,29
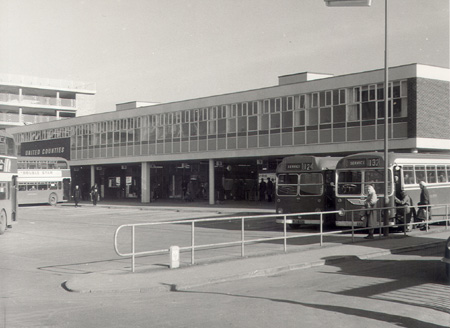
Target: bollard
x,y
174,257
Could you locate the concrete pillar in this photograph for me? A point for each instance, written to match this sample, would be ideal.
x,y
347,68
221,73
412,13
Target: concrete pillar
x,y
145,182
212,194
92,176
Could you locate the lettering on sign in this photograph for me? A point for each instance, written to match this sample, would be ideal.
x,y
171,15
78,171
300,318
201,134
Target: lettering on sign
x,y
39,173
365,162
299,167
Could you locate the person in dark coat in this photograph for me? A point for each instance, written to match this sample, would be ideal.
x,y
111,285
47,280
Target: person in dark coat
x,y
424,210
94,194
77,195
262,190
269,189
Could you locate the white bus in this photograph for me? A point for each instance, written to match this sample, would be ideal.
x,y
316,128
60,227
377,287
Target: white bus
x,y
43,180
8,180
405,171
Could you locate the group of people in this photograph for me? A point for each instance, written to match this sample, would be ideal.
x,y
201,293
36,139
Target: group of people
x,y
266,190
95,195
407,212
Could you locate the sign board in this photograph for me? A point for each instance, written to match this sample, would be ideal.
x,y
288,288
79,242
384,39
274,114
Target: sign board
x,y
47,148
299,166
365,162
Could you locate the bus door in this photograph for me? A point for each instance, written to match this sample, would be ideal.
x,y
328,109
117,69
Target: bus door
x,y
66,189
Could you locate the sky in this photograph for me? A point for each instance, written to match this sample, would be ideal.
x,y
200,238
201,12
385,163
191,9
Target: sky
x,y
171,50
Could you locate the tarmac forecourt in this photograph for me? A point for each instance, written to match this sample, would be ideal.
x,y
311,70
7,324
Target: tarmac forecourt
x,y
191,276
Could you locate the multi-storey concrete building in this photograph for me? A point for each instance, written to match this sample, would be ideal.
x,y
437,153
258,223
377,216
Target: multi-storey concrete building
x,y
27,100
215,140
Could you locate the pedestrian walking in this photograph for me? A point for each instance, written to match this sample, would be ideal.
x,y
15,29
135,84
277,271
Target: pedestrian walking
x,y
77,195
423,210
369,204
94,194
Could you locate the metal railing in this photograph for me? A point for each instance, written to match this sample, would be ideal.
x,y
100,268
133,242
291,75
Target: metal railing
x,y
243,241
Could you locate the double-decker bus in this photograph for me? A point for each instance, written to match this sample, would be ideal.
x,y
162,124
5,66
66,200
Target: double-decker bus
x,y
405,172
8,182
306,184
43,180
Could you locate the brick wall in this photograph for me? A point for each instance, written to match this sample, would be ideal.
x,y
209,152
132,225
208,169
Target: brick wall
x,y
428,108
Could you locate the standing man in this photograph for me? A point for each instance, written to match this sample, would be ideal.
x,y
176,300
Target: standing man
x,y
94,194
262,190
269,189
77,195
424,210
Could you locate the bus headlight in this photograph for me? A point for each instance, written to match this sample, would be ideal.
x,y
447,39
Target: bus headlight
x,y
341,212
280,210
278,200
339,200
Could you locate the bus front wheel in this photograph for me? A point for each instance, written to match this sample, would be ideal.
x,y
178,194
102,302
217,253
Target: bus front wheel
x,y
53,199
2,222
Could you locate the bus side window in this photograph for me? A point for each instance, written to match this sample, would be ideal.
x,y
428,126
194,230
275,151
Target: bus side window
x,y
3,191
31,187
408,174
53,186
42,186
22,187
431,173
441,173
420,173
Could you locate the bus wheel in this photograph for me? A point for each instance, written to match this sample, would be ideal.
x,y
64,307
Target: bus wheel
x,y
53,199
2,222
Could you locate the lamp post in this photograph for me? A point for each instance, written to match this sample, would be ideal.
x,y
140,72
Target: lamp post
x,y
367,3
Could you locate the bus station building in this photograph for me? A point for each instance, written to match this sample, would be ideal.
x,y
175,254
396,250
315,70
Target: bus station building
x,y
222,145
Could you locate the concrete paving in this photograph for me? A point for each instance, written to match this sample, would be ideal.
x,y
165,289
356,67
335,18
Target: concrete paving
x,y
191,276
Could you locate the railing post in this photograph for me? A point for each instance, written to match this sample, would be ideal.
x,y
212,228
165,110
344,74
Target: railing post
x,y
385,211
242,236
405,225
133,247
321,228
446,216
285,233
193,243
353,226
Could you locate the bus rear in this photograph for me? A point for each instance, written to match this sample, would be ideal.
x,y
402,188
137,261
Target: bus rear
x,y
305,184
